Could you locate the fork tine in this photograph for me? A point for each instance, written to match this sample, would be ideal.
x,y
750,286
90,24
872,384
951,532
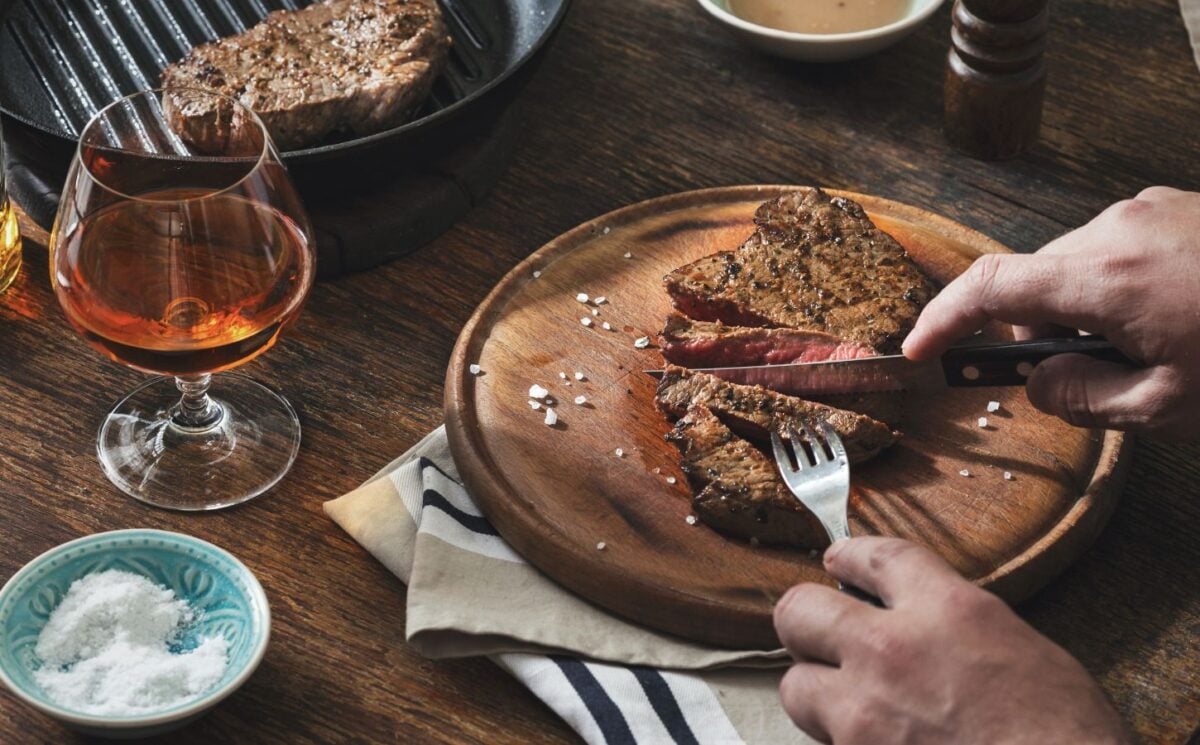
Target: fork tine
x,y
797,439
835,441
815,444
781,453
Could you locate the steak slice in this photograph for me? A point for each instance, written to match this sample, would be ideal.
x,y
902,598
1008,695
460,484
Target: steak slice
x,y
754,411
360,66
714,344
738,491
815,263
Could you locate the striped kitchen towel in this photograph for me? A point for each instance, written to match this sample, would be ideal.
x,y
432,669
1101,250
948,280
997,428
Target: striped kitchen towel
x,y
1191,19
470,594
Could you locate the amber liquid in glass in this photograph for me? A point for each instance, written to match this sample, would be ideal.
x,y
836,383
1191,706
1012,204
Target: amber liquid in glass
x,y
10,243
183,287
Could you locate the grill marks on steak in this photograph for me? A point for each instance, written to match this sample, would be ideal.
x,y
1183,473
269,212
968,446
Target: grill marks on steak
x,y
713,344
815,263
360,66
754,411
738,490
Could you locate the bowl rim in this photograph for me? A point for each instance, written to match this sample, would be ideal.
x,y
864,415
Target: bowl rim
x,y
258,599
918,14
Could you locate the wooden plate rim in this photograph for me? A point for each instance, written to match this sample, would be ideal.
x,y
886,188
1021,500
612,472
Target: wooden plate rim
x,y
545,547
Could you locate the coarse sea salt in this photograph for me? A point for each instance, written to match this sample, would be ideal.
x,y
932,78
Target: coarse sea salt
x,y
586,320
642,342
534,405
562,375
601,546
106,649
983,423
536,391
579,375
606,326
580,400
691,519
993,407
537,274
600,300
582,297
475,369
595,311
551,417
964,473
1008,476
628,255
670,479
620,453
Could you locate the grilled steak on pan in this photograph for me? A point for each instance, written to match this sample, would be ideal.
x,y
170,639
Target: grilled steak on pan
x,y
815,263
361,66
738,491
754,411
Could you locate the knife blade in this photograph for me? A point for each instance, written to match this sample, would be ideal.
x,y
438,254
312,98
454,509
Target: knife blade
x,y
964,366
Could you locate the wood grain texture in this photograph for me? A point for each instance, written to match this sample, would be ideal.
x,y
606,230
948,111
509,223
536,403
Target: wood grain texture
x,y
637,99
555,492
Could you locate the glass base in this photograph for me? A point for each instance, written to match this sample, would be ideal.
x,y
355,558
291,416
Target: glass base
x,y
247,448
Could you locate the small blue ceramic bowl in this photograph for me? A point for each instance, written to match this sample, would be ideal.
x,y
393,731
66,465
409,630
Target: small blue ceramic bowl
x,y
230,600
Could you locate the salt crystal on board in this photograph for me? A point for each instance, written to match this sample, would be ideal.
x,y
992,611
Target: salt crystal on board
x,y
628,255
601,546
1008,476
642,342
983,422
579,375
586,321
993,407
606,326
475,369
534,405
580,400
600,300
620,453
551,417
964,473
536,391
582,297
537,274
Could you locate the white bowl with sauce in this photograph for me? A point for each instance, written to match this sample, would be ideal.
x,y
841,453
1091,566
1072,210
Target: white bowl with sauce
x,y
823,30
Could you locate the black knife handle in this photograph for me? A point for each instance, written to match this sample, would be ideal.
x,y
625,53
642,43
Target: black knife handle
x,y
1010,363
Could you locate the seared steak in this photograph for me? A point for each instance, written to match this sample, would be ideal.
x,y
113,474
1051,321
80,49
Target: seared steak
x,y
754,411
360,66
738,491
714,344
815,263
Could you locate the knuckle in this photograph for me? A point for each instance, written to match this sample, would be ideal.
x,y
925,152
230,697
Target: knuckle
x,y
983,273
1157,192
888,648
1128,210
965,602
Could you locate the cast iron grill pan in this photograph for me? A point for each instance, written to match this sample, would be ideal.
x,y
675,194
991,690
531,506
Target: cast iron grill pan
x,y
63,60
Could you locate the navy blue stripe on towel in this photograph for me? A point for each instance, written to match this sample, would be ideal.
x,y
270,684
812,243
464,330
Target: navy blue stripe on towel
x,y
473,523
608,717
665,705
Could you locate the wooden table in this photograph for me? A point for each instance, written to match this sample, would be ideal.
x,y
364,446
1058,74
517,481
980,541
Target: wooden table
x,y
638,98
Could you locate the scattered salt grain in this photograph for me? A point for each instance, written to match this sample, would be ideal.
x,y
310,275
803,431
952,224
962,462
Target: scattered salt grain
x,y
580,400
691,519
1008,476
536,391
965,473
601,546
657,469
993,407
551,417
562,375
606,326
534,405
642,342
105,650
586,321
475,369
595,311
582,297
983,422
670,479
537,274
579,375
628,255
600,300
606,230
619,452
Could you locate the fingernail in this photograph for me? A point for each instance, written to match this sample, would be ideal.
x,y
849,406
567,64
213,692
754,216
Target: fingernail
x,y
835,549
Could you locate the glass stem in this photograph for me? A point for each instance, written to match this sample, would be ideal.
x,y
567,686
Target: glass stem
x,y
196,410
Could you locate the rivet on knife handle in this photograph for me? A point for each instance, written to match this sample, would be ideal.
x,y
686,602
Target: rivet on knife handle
x,y
1011,363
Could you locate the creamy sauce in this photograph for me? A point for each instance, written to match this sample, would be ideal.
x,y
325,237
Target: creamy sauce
x,y
820,16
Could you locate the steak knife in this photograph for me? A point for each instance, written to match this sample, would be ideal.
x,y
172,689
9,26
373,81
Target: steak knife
x,y
964,366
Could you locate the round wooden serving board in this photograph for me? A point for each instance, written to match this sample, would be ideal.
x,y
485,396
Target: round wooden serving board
x,y
556,492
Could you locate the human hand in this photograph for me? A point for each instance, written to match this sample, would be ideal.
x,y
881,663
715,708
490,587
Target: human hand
x,y
1133,275
944,663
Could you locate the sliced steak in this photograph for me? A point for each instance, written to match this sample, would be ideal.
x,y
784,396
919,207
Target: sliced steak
x,y
815,263
738,491
754,411
714,344
358,66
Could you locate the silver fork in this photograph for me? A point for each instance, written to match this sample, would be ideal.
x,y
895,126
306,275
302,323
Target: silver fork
x,y
819,476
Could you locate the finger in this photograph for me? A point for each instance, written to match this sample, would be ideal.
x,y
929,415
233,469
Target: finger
x,y
816,623
1014,289
806,692
892,569
1043,331
1095,394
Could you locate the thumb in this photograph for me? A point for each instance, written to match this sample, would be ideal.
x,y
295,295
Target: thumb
x,y
1095,394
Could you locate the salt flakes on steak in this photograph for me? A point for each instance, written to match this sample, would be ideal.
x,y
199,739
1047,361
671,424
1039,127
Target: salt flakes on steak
x,y
601,546
628,255
691,519
670,479
620,453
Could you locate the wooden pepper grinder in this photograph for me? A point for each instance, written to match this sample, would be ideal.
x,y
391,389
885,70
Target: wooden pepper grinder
x,y
996,76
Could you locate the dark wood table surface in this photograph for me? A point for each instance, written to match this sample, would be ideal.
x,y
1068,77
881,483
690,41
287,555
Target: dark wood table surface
x,y
638,98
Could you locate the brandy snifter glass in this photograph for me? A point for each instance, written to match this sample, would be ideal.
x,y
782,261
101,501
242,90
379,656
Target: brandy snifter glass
x,y
182,249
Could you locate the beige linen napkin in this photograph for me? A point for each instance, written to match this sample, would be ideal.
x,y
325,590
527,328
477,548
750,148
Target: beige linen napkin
x,y
1191,19
469,594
